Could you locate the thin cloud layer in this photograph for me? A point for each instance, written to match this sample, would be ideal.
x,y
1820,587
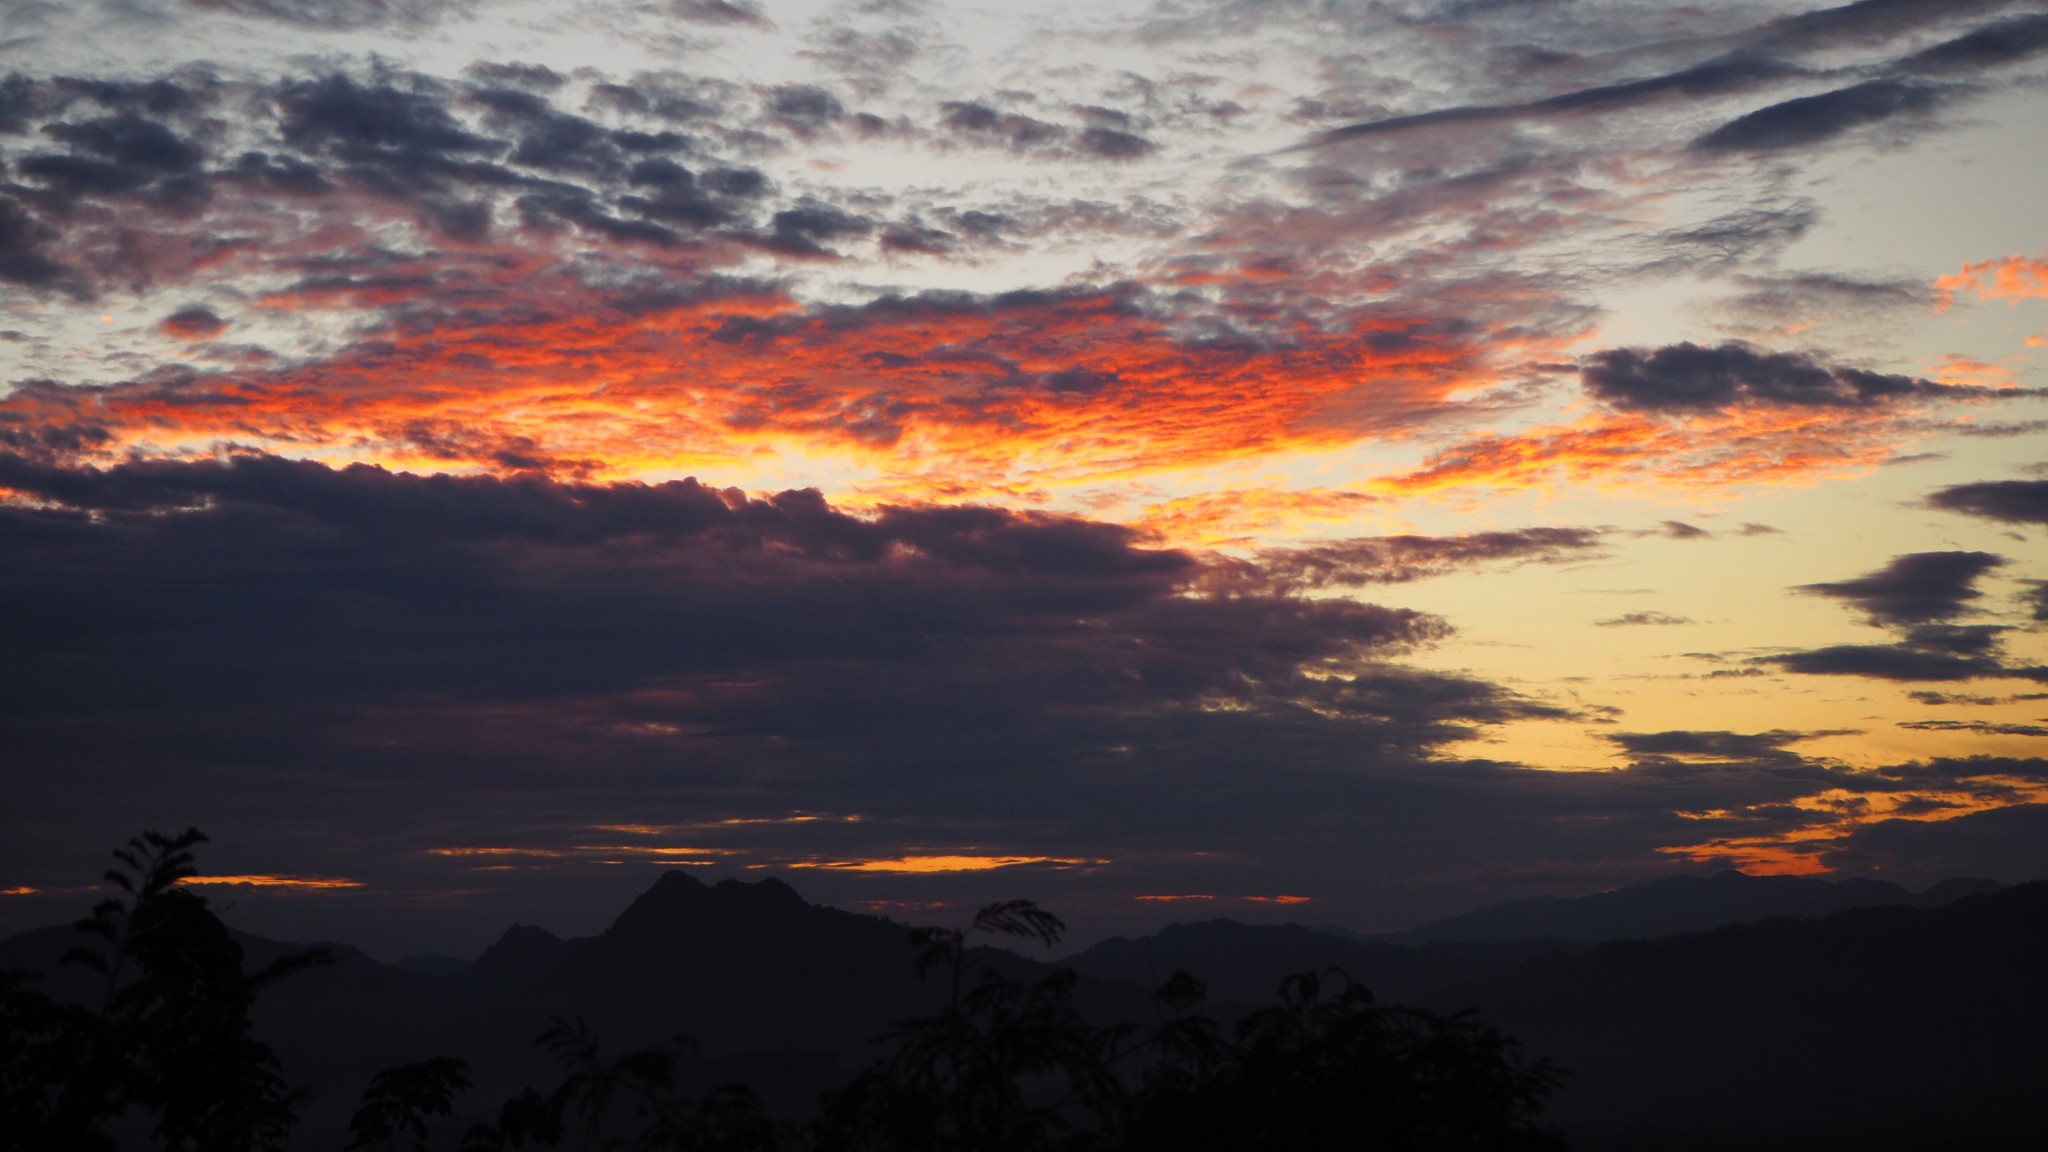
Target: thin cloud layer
x,y
1916,595
1914,589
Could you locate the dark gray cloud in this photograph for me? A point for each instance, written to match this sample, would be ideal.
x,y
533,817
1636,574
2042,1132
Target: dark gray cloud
x,y
1731,74
197,322
1400,559
1687,377
1770,55
1811,120
1700,745
1778,300
1890,662
804,107
1916,595
742,12
341,14
2003,843
516,74
1916,588
23,259
2036,599
1113,144
279,649
1946,698
1867,23
982,123
1642,619
2012,501
2005,42
1981,727
116,155
1107,137
458,157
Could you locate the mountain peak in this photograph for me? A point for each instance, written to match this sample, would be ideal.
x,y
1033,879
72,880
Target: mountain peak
x,y
681,902
524,951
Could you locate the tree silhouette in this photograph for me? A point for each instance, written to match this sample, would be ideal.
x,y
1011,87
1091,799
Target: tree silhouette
x,y
399,1100
169,1042
1010,1066
636,1091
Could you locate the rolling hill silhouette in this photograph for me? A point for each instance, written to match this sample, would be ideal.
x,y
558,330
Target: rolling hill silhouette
x,y
1675,905
1243,963
1874,1028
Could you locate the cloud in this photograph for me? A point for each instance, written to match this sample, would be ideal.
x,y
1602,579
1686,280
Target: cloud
x,y
1372,560
1993,45
1867,22
2002,843
22,258
1810,120
1642,619
1915,594
1715,78
1980,727
196,322
2012,501
2007,278
1686,377
255,633
341,14
668,583
1890,662
516,74
1683,744
1943,698
1790,304
719,12
1916,588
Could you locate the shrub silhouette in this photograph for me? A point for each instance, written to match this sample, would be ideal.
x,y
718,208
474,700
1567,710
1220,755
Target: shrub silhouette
x,y
169,1043
1011,1066
638,1089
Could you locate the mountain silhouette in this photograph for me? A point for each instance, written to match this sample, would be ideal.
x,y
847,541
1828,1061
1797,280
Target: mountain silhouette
x,y
1873,1029
1675,905
521,954
1885,1027
431,963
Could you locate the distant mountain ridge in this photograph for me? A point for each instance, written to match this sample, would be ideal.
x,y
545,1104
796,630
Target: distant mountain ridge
x,y
1883,1027
1674,906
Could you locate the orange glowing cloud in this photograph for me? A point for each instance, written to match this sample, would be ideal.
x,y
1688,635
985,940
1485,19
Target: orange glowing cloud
x,y
948,863
588,854
1761,446
1086,384
1236,516
19,890
296,883
2009,278
1803,850
1279,899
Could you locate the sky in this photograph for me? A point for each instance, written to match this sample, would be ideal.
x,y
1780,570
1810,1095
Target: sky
x,y
1341,461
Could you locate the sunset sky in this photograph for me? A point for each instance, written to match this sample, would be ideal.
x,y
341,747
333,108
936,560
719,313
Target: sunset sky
x,y
1343,461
